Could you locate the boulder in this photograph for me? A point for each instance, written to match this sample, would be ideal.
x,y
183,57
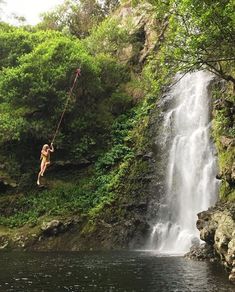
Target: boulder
x,y
55,227
3,242
201,252
217,229
148,156
206,226
232,276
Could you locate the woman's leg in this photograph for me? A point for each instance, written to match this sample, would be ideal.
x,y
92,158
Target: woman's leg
x,y
44,167
40,172
38,180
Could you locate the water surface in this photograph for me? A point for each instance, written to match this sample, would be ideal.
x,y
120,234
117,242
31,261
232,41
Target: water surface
x,y
108,271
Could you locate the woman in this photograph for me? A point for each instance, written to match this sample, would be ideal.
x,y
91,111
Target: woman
x,y
45,159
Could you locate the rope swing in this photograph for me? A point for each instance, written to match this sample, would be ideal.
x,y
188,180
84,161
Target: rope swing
x,y
78,74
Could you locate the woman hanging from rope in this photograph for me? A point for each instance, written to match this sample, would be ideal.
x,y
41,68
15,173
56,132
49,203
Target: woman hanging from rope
x,y
46,150
45,159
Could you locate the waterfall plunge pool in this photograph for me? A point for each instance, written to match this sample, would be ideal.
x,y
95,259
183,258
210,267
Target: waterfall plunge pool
x,y
108,271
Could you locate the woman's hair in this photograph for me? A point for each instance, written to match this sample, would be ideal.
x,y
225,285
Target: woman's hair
x,y
45,146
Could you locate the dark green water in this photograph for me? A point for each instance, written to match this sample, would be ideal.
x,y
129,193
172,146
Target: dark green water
x,y
108,271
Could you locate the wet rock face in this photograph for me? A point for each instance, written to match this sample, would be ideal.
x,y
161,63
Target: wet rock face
x,y
228,172
217,229
224,110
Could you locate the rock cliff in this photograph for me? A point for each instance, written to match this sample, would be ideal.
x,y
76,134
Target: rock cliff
x,y
217,229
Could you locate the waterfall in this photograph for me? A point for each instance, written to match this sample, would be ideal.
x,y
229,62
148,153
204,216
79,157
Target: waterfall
x,y
191,184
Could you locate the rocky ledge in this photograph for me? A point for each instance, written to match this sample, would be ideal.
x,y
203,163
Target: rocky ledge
x,y
108,230
217,229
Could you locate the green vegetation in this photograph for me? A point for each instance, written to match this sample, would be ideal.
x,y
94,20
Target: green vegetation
x,y
29,114
224,135
200,35
107,121
77,17
85,195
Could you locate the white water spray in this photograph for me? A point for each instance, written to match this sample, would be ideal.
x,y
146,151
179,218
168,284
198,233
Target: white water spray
x,y
191,184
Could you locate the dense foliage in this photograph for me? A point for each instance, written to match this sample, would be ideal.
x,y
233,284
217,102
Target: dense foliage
x,y
107,120
29,114
77,17
201,35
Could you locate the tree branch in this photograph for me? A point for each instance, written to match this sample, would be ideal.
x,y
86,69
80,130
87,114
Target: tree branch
x,y
220,73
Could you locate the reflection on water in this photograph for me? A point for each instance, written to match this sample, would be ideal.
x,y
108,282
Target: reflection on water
x,y
107,271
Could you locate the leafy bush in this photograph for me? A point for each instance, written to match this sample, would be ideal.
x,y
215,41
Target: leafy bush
x,y
34,88
109,38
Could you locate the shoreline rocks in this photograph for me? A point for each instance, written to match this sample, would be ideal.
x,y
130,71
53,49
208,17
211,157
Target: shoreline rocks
x,y
203,252
217,229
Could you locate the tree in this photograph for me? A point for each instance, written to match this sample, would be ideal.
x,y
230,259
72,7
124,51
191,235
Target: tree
x,y
76,17
15,42
201,34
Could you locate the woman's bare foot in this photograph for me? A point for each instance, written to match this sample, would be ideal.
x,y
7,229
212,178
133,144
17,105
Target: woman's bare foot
x,y
38,182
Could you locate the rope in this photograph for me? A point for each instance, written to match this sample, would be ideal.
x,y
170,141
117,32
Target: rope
x,y
78,73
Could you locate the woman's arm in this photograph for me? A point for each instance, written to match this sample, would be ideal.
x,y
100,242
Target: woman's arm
x,y
52,148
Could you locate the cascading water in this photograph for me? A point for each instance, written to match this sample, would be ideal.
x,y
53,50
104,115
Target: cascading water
x,y
191,184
